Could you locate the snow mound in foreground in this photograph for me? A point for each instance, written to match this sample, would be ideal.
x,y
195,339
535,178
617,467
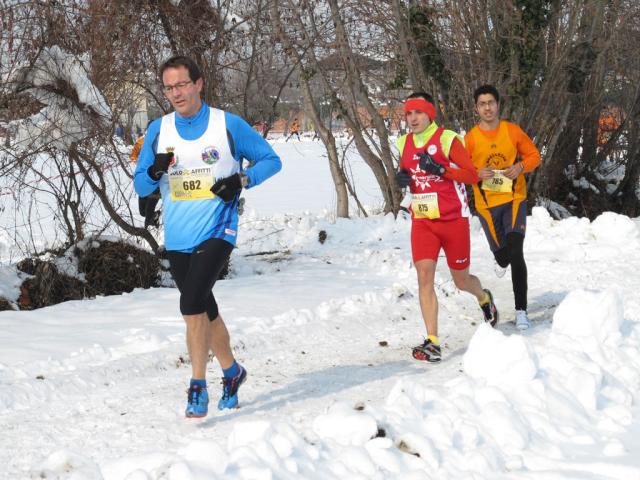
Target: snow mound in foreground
x,y
526,405
588,321
498,358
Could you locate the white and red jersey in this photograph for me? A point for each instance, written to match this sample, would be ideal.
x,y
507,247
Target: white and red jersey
x,y
451,194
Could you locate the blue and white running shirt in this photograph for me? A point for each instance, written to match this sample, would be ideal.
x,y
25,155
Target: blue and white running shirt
x,y
202,154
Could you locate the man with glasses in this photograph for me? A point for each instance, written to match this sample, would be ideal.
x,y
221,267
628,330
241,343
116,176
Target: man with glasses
x,y
502,153
194,155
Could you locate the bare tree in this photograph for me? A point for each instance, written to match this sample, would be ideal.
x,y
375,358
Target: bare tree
x,y
64,94
559,65
334,51
72,72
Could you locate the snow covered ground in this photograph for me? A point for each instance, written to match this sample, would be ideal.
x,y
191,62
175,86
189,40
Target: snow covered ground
x,y
96,389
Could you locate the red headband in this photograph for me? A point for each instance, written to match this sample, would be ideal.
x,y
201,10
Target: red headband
x,y
421,105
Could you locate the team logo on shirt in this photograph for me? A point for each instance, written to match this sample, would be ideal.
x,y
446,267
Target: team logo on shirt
x,y
497,160
210,155
423,179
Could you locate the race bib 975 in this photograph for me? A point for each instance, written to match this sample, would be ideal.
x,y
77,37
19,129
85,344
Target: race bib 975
x,y
425,205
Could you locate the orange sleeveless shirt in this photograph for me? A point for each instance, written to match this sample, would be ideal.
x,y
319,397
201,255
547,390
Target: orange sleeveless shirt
x,y
499,149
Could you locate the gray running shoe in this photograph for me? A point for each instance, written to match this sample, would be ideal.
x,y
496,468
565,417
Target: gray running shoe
x,y
499,271
522,320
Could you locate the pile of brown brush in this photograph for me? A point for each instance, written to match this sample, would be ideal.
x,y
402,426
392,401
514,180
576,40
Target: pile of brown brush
x,y
104,267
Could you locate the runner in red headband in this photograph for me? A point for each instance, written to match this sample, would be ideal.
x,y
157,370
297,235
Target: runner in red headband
x,y
420,105
435,166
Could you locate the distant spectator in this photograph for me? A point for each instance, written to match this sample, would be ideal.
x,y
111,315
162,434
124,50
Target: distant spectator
x,y
294,129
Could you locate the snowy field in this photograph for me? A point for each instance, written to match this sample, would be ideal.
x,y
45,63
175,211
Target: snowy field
x,y
97,389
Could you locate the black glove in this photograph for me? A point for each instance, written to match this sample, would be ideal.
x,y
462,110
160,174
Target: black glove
x,y
429,165
160,165
226,188
403,179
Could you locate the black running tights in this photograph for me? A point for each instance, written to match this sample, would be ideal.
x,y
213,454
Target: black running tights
x,y
196,273
512,254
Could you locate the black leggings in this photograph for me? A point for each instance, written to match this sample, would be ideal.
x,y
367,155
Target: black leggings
x,y
195,274
512,254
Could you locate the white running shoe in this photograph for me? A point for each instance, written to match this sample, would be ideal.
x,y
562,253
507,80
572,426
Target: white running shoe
x,y
500,271
522,320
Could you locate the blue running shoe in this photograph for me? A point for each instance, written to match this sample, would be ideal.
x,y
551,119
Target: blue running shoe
x,y
197,402
230,389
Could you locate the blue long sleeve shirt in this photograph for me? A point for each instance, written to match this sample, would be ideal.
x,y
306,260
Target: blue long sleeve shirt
x,y
193,222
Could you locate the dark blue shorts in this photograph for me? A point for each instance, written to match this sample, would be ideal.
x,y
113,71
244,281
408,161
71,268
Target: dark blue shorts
x,y
498,221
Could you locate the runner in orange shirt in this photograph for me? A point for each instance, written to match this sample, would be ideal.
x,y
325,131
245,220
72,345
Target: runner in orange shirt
x,y
502,153
294,129
435,166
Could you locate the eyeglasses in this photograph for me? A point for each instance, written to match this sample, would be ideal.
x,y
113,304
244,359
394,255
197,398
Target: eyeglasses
x,y
178,86
490,103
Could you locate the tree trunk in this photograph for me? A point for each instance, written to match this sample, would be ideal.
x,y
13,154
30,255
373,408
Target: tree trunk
x,y
342,200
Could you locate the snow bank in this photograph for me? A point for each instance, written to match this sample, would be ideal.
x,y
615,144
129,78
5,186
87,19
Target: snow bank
x,y
10,283
327,399
345,425
612,228
588,321
498,358
523,404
